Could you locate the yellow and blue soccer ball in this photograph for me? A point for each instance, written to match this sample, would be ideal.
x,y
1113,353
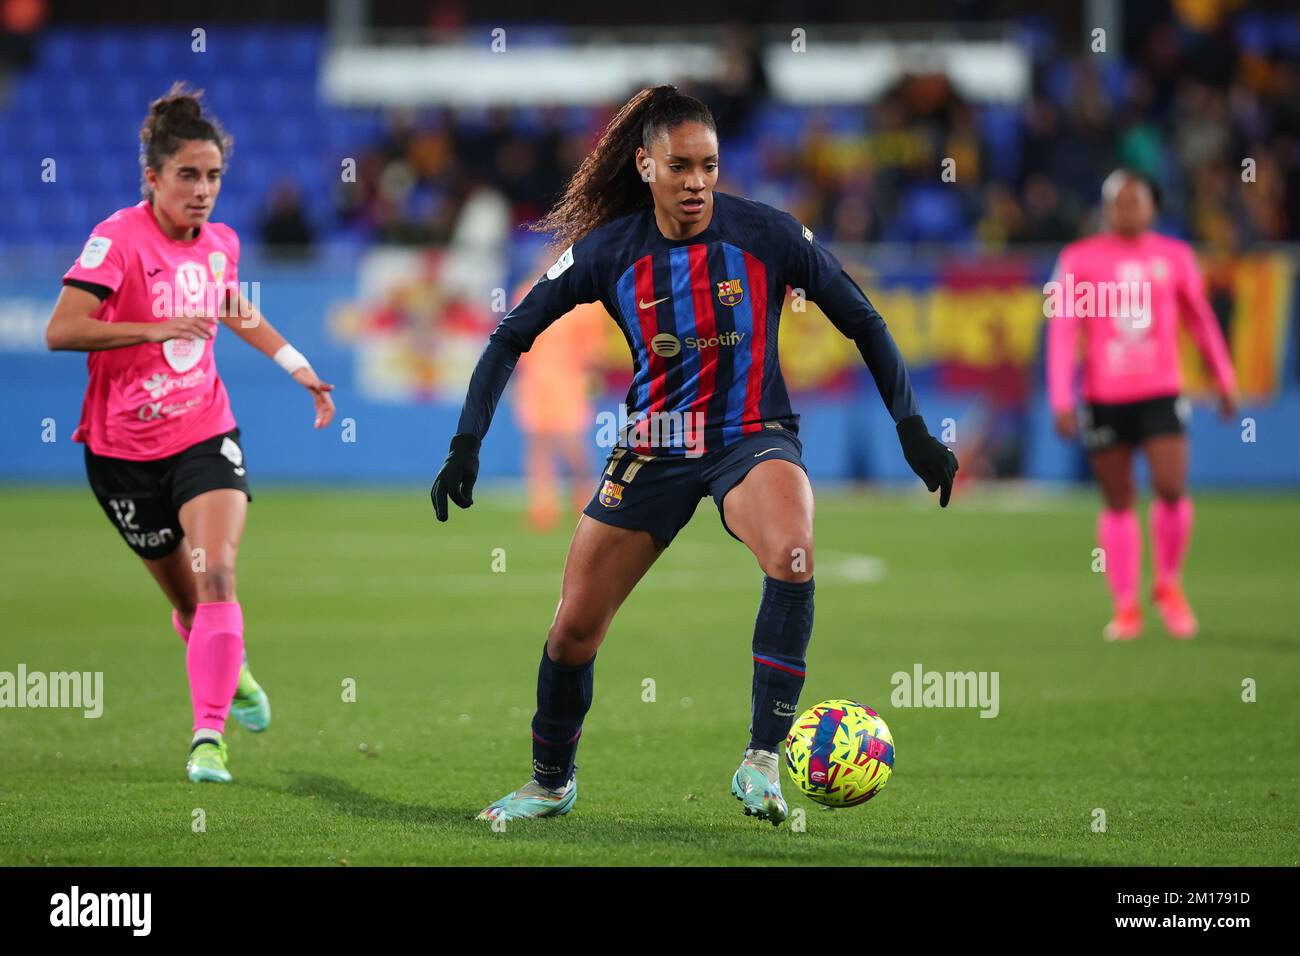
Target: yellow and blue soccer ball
x,y
839,753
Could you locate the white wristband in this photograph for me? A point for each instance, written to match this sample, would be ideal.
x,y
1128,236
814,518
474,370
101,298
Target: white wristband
x,y
290,359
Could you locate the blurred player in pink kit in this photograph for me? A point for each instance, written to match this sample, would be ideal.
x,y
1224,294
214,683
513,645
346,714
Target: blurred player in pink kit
x,y
162,450
1125,291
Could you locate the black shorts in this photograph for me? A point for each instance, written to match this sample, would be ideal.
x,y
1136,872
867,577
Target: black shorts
x,y
1131,423
659,494
143,498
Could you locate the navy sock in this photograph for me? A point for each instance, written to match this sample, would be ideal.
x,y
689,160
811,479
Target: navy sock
x,y
563,699
781,635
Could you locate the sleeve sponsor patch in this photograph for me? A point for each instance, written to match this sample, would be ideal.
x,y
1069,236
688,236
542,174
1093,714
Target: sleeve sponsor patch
x,y
93,255
562,263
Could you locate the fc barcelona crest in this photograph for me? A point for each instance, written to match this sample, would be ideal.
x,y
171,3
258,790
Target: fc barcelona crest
x,y
611,494
730,292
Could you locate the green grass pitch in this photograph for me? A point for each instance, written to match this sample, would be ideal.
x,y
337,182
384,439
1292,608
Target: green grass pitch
x,y
367,585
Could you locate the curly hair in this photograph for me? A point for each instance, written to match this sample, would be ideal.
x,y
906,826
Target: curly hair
x,y
606,184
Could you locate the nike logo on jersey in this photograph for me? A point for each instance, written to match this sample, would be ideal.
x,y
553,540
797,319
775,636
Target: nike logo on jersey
x,y
646,305
153,272
760,454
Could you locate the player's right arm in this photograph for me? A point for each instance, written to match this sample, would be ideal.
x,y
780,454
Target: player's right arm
x,y
74,328
568,283
96,275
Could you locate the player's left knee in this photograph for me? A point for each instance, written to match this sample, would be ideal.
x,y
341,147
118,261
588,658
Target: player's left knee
x,y
790,559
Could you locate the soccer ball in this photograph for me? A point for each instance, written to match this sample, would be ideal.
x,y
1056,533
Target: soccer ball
x,y
839,753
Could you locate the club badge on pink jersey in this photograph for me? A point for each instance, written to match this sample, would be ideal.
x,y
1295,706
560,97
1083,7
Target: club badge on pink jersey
x,y
183,354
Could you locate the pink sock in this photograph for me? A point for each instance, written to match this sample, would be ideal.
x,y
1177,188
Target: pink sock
x,y
1120,536
1171,530
212,658
180,628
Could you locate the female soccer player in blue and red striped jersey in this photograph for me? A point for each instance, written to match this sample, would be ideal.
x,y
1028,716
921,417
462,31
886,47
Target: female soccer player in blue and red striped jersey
x,y
696,281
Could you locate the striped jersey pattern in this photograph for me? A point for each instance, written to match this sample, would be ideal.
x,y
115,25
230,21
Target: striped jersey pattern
x,y
700,317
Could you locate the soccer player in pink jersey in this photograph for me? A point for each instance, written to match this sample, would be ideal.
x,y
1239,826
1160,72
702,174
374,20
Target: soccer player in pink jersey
x,y
162,449
1123,291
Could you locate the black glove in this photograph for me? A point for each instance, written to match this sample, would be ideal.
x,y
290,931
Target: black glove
x,y
457,476
930,458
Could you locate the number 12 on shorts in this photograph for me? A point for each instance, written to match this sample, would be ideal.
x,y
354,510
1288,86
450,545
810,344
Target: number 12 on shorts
x,y
125,512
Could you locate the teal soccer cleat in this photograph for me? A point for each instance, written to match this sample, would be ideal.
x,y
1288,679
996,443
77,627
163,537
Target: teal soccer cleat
x,y
533,800
207,762
757,785
250,707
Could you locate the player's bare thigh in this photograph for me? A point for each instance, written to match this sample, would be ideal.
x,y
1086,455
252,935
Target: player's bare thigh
x,y
604,564
1167,456
771,510
214,524
1114,470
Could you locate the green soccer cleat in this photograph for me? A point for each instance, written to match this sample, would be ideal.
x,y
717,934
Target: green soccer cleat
x,y
757,785
250,706
533,800
208,762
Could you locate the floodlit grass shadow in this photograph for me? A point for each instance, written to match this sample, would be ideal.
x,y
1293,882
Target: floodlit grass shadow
x,y
344,798
1244,640
804,849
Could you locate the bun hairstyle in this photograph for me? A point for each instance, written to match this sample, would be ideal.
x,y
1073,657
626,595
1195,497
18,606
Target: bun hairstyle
x,y
607,184
173,120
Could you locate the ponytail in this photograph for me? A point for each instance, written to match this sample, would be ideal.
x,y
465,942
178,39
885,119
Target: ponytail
x,y
607,184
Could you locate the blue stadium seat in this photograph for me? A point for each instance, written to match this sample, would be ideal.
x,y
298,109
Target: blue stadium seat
x,y
1263,33
132,96
57,54
254,50
157,51
1000,130
35,136
29,97
302,51
24,210
780,120
929,213
847,119
113,48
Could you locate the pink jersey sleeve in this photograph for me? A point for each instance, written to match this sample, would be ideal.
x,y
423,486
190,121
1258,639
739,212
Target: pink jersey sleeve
x,y
1062,342
1202,323
103,259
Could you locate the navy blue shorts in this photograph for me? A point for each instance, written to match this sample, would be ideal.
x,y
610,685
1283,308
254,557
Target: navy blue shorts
x,y
659,494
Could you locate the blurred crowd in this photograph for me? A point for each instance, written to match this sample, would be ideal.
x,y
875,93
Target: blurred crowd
x,y
1206,102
